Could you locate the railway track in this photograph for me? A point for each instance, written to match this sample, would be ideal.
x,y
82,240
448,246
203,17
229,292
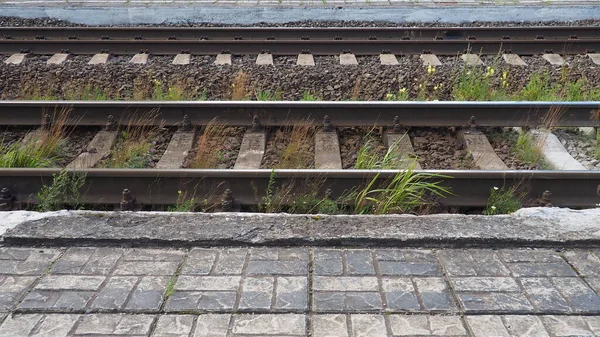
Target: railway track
x,y
470,188
293,41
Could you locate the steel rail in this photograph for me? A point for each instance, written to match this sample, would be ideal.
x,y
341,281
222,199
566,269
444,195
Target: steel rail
x,y
240,113
160,187
295,47
312,33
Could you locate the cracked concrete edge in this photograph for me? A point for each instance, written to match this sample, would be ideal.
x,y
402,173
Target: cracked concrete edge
x,y
531,227
231,14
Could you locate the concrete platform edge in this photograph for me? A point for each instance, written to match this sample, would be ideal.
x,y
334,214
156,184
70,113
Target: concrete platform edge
x,y
126,15
531,227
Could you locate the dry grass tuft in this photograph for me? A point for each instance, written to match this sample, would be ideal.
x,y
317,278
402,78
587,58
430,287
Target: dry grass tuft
x,y
133,148
239,87
298,141
356,90
207,154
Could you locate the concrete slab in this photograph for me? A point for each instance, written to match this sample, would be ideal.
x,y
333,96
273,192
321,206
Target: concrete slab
x,y
327,150
482,151
100,59
58,58
34,136
182,59
305,60
554,59
179,146
514,60
388,59
348,59
223,59
251,151
555,153
595,58
471,59
140,59
403,146
528,227
98,148
430,60
16,58
264,60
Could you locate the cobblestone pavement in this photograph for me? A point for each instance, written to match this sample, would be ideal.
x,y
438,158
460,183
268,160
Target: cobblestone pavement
x,y
242,292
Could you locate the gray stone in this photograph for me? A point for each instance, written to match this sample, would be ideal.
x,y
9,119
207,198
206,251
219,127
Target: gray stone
x,y
174,326
398,300
485,326
408,268
495,302
328,262
257,293
145,268
208,283
19,325
230,262
284,324
525,326
579,295
345,283
359,262
434,293
12,288
368,326
25,261
277,268
212,325
347,301
114,294
114,324
214,300
329,325
566,326
488,284
586,262
70,282
422,325
291,293
157,255
73,300
148,294
199,261
544,296
530,255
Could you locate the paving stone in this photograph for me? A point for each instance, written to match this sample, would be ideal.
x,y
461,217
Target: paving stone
x,y
560,326
400,294
486,326
58,300
421,325
199,261
359,262
345,283
594,282
174,326
284,324
495,302
208,283
114,294
146,268
279,254
70,282
405,255
230,262
291,293
277,268
408,268
257,293
148,294
25,261
594,323
524,326
329,326
368,326
328,262
586,262
196,300
212,325
435,294
579,295
12,288
114,324
347,301
544,296
530,255
476,262
541,269
487,284
19,325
